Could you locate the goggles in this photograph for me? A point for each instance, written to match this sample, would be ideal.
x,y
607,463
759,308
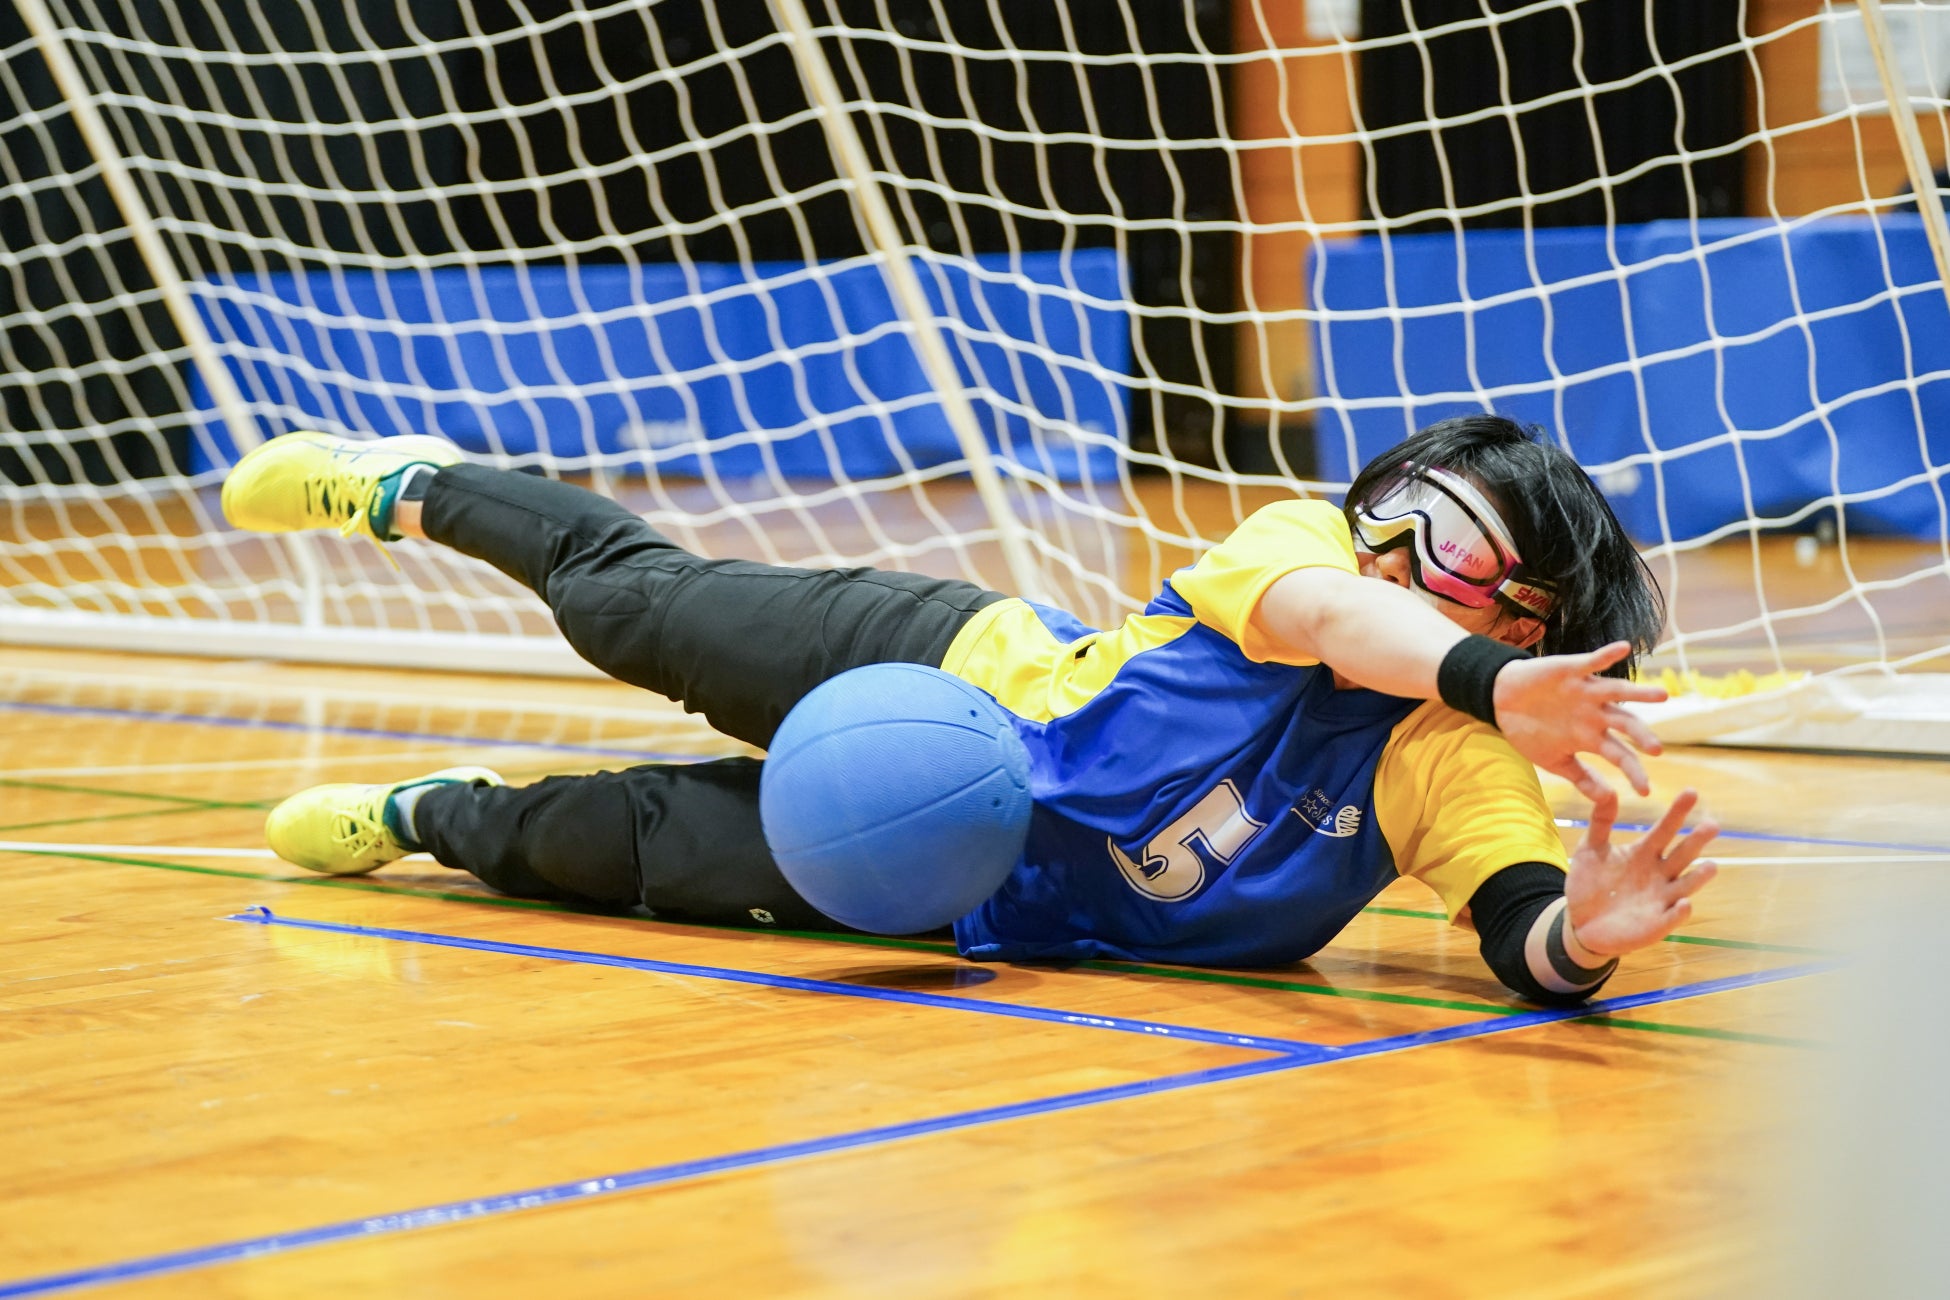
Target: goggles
x,y
1458,547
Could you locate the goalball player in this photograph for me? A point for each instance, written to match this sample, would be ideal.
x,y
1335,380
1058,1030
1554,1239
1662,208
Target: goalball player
x,y
1322,702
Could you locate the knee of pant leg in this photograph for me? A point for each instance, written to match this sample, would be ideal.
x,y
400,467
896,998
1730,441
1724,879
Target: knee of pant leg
x,y
581,839
624,554
564,838
617,617
601,621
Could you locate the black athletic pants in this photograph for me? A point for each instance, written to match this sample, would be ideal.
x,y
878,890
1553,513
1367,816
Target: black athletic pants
x,y
735,641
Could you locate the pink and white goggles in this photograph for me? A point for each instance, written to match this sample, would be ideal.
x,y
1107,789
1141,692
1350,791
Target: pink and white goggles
x,y
1459,548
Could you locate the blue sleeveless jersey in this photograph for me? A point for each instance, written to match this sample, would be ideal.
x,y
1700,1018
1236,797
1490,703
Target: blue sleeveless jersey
x,y
1201,801
1201,809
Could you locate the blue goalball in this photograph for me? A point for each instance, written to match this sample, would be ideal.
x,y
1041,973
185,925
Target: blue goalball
x,y
895,798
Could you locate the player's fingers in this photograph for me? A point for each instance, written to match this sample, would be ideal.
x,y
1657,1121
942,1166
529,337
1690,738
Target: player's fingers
x,y
1669,822
1604,811
1586,779
1633,728
1615,689
1689,849
1627,762
1693,881
1675,916
1603,657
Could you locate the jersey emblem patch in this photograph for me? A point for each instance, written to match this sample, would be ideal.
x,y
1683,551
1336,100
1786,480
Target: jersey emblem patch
x,y
1322,818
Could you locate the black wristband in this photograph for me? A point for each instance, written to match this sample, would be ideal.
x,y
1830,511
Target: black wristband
x,y
1466,681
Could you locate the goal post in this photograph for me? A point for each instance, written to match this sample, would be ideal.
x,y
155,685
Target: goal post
x,y
1043,296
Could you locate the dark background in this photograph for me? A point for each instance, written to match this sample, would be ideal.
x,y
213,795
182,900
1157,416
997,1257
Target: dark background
x,y
1563,145
100,421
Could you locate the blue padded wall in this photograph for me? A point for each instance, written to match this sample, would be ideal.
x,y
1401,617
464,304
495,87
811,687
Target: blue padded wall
x,y
1785,350
617,358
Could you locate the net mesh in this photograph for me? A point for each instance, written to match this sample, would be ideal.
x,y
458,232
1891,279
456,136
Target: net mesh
x,y
1185,260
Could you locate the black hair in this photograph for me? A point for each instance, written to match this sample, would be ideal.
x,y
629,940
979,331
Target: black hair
x,y
1563,527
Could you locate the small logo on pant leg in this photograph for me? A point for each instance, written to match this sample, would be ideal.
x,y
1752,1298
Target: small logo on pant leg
x,y
762,916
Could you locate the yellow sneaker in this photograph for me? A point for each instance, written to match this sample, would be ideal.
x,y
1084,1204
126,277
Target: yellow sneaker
x,y
313,480
348,830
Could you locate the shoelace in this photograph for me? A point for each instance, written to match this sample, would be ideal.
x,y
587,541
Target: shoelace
x,y
323,495
359,833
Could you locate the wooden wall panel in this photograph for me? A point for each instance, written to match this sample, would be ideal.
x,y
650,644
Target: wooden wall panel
x,y
1282,104
1812,167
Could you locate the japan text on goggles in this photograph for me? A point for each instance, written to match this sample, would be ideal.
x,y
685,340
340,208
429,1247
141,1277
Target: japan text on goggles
x,y
1459,548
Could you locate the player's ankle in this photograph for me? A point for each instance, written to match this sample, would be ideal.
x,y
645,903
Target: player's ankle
x,y
400,816
407,487
407,516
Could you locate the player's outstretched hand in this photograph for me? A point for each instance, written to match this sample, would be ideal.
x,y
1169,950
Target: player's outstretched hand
x,y
1554,708
1624,898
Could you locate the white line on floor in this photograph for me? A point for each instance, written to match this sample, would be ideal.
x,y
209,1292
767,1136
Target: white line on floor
x,y
1740,860
145,850
242,764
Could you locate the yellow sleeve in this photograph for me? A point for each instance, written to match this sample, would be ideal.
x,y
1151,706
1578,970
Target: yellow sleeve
x,y
1225,586
1457,805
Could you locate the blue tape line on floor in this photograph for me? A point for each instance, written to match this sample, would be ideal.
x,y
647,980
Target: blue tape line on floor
x,y
582,1189
1153,1029
587,1188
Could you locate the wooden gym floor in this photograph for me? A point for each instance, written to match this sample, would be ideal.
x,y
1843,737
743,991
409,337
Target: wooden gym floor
x,y
225,1077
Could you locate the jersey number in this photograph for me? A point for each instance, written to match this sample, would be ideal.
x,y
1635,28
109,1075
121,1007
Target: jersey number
x,y
1173,864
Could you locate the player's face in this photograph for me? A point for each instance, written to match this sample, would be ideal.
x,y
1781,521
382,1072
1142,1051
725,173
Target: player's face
x,y
1494,621
1458,547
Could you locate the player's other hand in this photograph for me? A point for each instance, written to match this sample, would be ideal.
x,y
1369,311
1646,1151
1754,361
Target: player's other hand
x,y
1622,898
1554,708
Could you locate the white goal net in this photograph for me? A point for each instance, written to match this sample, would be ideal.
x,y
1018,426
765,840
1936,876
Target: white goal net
x,y
1045,296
